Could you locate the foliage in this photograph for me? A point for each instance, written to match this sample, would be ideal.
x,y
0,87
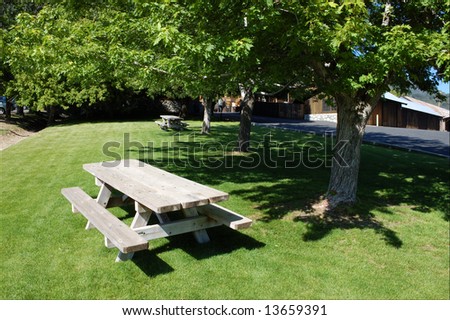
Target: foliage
x,y
205,47
54,60
350,50
72,54
8,12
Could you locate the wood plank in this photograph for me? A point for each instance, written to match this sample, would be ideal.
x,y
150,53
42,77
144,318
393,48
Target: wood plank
x,y
154,188
135,189
118,201
98,182
200,235
104,195
170,117
121,257
170,186
102,199
157,231
140,220
125,239
189,193
193,191
227,217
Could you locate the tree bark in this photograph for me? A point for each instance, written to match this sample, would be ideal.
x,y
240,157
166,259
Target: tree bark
x,y
206,126
51,113
350,130
8,110
20,111
387,14
245,125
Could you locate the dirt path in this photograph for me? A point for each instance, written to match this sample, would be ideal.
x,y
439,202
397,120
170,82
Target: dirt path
x,y
11,134
20,127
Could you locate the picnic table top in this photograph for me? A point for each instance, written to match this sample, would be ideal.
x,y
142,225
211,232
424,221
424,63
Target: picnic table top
x,y
170,117
152,187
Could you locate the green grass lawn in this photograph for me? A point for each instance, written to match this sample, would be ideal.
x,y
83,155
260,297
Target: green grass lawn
x,y
393,245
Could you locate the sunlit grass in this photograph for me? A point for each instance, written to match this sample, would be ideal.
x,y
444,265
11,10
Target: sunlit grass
x,y
393,246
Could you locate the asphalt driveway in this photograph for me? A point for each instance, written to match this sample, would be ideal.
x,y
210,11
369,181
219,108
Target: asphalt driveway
x,y
426,141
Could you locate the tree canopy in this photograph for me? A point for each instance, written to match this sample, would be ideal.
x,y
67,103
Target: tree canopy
x,y
75,50
69,54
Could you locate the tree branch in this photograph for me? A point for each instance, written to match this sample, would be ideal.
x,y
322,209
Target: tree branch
x,y
387,14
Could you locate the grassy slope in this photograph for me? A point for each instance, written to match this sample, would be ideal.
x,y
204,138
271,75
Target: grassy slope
x,y
394,247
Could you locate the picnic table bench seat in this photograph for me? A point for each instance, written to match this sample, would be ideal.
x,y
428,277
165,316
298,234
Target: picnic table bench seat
x,y
120,235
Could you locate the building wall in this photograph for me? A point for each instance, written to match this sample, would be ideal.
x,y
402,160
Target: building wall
x,y
315,105
279,110
376,118
391,114
387,113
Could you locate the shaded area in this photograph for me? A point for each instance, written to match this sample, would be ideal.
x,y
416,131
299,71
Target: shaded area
x,y
387,178
149,262
32,121
223,241
319,227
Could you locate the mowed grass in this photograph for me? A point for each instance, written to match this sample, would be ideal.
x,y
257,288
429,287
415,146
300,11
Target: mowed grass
x,y
393,245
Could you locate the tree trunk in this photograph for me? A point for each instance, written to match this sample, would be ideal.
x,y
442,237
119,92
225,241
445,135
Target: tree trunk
x,y
20,111
206,126
245,125
51,112
350,129
8,110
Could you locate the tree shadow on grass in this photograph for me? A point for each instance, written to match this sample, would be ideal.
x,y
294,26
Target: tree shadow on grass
x,y
318,227
279,201
223,241
387,179
31,121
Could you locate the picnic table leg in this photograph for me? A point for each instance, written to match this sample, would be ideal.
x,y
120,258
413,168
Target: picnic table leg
x,y
102,199
162,218
201,235
141,218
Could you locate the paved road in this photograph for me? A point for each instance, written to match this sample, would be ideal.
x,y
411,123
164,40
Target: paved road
x,y
427,141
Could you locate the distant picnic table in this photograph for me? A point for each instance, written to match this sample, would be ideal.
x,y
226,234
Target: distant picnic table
x,y
171,122
153,191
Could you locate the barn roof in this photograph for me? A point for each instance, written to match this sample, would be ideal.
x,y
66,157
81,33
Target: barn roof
x,y
412,105
443,112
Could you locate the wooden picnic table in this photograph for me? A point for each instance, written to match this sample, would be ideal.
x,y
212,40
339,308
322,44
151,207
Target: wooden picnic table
x,y
171,122
153,191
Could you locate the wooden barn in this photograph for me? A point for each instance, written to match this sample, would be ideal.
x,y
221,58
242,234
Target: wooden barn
x,y
406,112
391,111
